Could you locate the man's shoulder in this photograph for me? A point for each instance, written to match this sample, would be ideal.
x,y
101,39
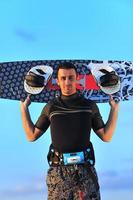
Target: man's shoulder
x,y
48,107
53,102
87,101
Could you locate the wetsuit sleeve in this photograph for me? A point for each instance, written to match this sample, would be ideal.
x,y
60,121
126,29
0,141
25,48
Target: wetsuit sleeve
x,y
43,121
97,121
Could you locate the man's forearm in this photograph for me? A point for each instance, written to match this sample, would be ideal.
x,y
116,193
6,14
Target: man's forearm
x,y
110,126
107,132
27,122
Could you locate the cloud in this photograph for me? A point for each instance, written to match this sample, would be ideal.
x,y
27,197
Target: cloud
x,y
109,180
116,179
23,189
25,35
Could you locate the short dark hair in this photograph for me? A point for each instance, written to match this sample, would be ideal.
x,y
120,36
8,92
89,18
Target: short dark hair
x,y
66,65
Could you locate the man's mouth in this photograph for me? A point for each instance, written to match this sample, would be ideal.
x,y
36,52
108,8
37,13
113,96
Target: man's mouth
x,y
68,87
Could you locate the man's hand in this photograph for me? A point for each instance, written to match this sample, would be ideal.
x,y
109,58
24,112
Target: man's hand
x,y
114,104
25,104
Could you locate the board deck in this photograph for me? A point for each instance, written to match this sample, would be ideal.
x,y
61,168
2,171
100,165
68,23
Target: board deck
x,y
12,76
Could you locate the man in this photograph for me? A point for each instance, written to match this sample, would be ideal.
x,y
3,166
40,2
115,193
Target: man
x,y
71,117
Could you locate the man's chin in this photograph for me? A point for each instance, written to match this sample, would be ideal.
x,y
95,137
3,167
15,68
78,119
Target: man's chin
x,y
68,93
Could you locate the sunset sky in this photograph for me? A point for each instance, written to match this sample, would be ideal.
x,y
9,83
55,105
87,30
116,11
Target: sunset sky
x,y
72,29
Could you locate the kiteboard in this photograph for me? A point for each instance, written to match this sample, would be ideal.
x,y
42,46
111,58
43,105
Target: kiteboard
x,y
13,76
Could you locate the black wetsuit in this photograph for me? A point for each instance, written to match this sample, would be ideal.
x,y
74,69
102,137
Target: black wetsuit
x,y
70,119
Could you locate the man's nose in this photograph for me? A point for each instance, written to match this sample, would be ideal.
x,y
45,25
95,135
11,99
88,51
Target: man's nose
x,y
67,81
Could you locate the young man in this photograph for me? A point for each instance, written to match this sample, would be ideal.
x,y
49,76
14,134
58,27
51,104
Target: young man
x,y
71,117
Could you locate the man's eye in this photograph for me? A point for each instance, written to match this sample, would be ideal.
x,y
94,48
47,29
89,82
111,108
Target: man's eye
x,y
71,78
63,78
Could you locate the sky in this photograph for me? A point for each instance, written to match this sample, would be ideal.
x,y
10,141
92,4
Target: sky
x,y
72,29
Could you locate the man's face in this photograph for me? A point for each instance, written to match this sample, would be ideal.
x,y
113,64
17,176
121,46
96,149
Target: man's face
x,y
67,81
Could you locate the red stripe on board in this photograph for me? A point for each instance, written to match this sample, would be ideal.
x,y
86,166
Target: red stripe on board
x,y
86,82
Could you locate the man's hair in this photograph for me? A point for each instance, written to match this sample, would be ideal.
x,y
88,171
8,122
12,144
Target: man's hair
x,y
65,65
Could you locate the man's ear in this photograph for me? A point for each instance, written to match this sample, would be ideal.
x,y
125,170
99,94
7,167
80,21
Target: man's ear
x,y
76,76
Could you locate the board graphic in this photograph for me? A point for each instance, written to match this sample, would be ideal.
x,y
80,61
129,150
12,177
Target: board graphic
x,y
12,75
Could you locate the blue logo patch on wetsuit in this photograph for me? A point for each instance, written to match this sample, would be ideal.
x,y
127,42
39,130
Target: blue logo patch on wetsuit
x,y
73,158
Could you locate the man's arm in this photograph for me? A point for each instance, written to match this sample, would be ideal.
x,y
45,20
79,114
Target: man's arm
x,y
32,133
107,132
